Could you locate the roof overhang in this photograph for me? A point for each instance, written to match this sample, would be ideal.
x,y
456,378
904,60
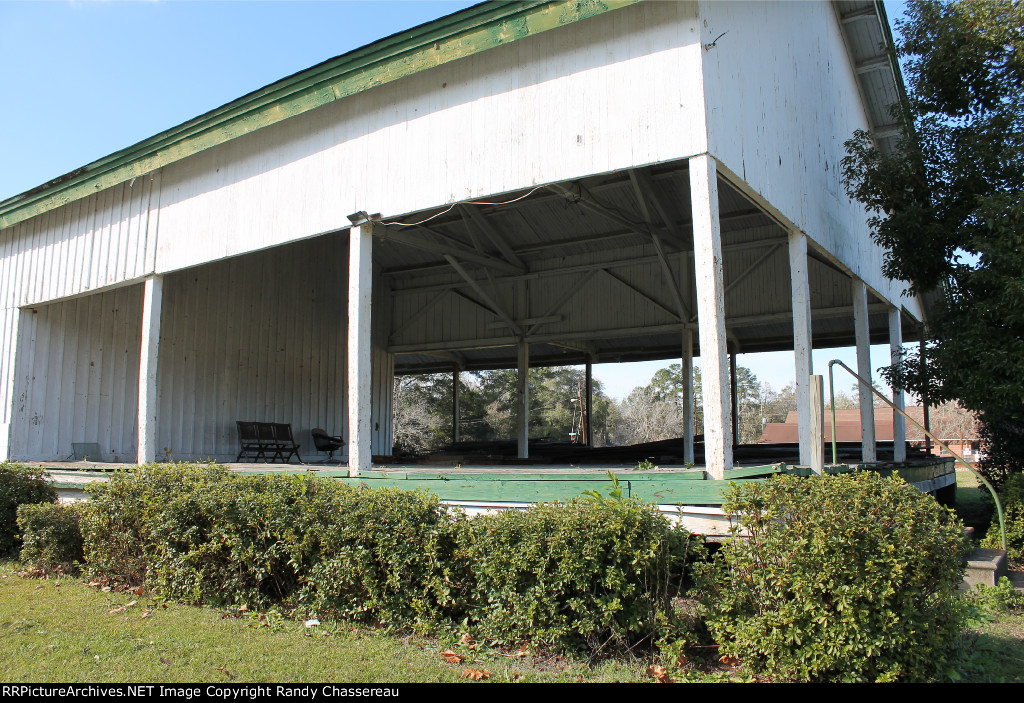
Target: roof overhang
x,y
869,43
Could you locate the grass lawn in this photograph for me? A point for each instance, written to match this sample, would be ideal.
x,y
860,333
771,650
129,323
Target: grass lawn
x,y
973,502
62,630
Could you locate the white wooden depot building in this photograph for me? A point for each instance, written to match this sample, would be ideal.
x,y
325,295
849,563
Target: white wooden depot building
x,y
516,184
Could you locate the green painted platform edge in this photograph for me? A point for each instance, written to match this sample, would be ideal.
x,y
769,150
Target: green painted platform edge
x,y
664,493
755,471
456,36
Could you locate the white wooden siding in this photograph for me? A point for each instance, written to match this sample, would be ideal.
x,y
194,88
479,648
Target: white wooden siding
x,y
782,98
255,338
77,377
104,240
610,92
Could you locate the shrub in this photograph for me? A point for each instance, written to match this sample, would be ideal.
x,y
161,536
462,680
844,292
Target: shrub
x,y
388,555
118,519
1011,495
52,538
201,534
581,573
842,578
226,538
19,485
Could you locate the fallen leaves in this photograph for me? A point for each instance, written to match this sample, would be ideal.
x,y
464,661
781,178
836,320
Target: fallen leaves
x,y
729,661
660,673
451,657
226,673
475,674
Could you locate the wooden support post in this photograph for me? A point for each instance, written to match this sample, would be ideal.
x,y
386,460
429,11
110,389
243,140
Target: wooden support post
x,y
735,398
688,396
710,280
523,398
589,401
152,302
802,341
456,410
924,398
817,412
360,275
899,423
862,332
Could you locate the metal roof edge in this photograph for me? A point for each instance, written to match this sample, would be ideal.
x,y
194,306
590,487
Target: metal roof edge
x,y
456,36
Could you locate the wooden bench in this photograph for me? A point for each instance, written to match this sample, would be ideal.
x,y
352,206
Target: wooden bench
x,y
271,441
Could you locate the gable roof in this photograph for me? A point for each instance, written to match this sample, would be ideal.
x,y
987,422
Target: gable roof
x,y
456,36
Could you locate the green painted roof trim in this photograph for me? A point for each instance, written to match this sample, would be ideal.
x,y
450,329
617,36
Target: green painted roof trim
x,y
450,38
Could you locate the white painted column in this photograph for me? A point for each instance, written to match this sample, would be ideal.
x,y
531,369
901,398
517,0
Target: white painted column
x,y
925,400
589,400
899,423
523,399
817,389
688,396
456,410
802,342
862,331
734,397
710,281
360,296
152,302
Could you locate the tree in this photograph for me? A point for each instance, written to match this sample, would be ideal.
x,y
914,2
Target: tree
x,y
655,411
948,205
488,406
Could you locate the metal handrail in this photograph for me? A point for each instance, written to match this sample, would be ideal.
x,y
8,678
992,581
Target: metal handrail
x,y
832,398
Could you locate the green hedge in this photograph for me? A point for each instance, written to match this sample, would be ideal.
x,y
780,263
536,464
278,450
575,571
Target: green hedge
x,y
51,536
399,556
582,573
118,522
19,485
842,578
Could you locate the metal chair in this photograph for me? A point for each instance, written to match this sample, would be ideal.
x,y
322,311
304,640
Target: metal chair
x,y
326,443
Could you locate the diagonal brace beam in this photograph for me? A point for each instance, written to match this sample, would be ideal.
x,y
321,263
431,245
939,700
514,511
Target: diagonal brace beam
x,y
436,248
476,219
666,270
483,294
566,297
643,295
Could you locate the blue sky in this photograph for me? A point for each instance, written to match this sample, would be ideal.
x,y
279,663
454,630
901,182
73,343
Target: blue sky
x,y
84,79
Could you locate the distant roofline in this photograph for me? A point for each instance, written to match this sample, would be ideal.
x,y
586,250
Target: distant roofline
x,y
452,37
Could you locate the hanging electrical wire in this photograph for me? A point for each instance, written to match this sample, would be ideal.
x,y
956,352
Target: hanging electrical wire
x,y
467,202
